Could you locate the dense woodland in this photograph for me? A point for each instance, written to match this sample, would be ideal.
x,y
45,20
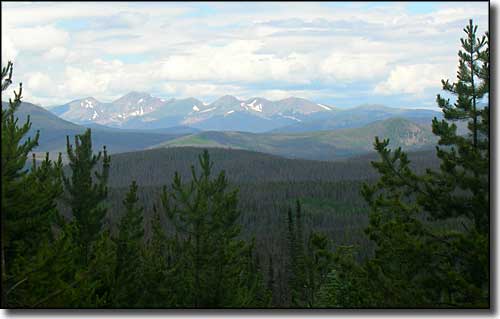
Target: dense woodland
x,y
193,228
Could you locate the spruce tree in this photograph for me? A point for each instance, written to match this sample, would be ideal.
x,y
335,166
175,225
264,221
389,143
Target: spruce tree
x,y
28,205
417,263
309,262
318,263
160,277
297,263
85,197
213,262
129,252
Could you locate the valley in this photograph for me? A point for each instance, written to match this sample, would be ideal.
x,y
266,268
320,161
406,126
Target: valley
x,y
292,127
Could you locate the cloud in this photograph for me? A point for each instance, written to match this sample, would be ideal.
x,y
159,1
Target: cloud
x,y
9,53
200,90
56,53
39,82
348,51
354,66
39,38
236,62
49,12
413,79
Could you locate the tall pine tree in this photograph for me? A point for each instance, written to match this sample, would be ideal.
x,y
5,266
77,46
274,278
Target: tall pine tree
x,y
28,205
85,197
421,261
215,266
129,252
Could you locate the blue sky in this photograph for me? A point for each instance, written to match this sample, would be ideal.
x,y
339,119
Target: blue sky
x,y
338,53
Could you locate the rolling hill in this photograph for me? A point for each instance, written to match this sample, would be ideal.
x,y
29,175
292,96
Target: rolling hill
x,y
156,167
322,145
358,117
53,132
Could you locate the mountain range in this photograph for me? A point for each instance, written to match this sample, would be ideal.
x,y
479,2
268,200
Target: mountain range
x,y
53,132
318,145
318,132
138,110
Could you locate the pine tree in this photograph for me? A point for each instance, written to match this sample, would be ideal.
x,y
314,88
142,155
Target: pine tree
x,y
309,263
416,262
84,196
318,263
160,277
270,280
129,250
297,264
28,204
213,263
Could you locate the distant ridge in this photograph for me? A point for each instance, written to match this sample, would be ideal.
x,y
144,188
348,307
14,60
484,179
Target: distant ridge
x,y
140,110
323,145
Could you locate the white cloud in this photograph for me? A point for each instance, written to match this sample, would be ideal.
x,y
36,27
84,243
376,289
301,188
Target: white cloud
x,y
9,52
79,81
413,79
354,66
39,38
237,61
38,82
49,12
55,53
247,49
200,90
283,94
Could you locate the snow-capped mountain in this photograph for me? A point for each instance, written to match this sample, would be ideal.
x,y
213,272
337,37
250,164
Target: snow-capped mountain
x,y
90,110
141,110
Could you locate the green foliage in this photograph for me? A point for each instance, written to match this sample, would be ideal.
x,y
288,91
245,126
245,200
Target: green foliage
x,y
129,252
84,196
214,267
347,283
297,264
309,262
28,207
318,145
159,274
203,258
417,264
318,263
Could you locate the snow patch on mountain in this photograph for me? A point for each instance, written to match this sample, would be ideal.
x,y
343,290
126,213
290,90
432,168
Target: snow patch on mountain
x,y
208,110
257,108
325,107
292,118
196,108
244,105
253,106
87,104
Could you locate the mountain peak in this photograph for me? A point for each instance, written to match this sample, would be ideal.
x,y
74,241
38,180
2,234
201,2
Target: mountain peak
x,y
293,98
227,100
374,107
134,95
228,97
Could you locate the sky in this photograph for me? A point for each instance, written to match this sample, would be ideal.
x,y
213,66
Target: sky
x,y
338,53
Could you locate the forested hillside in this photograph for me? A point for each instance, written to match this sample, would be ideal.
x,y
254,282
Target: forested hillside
x,y
322,145
53,132
235,225
154,167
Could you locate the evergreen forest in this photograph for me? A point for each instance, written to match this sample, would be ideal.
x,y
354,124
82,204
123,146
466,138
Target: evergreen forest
x,y
188,227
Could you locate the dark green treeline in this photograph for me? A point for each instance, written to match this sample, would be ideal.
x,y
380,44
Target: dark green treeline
x,y
77,261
